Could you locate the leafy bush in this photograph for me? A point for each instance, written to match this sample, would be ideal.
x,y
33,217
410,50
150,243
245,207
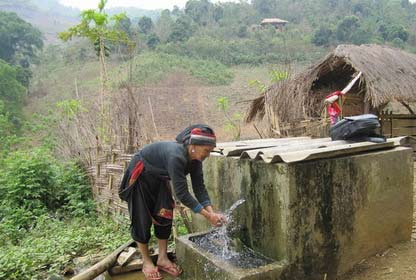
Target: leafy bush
x,y
12,91
33,184
53,243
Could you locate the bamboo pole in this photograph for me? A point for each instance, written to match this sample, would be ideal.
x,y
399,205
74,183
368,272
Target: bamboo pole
x,y
103,265
153,118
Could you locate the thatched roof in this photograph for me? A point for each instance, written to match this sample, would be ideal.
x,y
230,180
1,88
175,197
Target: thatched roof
x,y
388,74
273,21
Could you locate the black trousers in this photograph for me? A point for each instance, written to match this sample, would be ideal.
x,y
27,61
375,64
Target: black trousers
x,y
150,202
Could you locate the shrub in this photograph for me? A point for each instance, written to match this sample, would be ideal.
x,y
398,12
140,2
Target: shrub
x,y
53,243
34,184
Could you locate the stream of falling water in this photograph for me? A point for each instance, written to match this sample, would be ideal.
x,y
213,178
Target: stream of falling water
x,y
221,243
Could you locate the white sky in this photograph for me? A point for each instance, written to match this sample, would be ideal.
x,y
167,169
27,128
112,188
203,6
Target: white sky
x,y
143,4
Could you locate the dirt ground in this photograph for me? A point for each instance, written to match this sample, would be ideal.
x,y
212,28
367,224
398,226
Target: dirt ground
x,y
396,263
180,100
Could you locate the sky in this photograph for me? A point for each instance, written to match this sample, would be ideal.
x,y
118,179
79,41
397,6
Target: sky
x,y
143,4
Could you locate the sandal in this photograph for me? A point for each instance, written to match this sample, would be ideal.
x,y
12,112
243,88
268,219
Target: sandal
x,y
174,270
152,274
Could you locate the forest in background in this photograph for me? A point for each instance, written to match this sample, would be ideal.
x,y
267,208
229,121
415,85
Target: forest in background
x,y
42,193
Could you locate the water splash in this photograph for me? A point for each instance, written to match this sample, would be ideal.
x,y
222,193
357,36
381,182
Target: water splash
x,y
230,211
221,243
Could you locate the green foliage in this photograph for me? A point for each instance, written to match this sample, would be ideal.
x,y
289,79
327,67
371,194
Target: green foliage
x,y
53,243
265,8
180,225
151,67
199,11
277,75
12,92
391,32
398,43
258,47
70,108
324,36
27,182
182,30
145,25
6,126
346,28
98,27
19,41
152,41
32,184
74,191
233,122
364,22
163,26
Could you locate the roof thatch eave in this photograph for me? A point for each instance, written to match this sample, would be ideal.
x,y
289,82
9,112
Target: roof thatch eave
x,y
389,74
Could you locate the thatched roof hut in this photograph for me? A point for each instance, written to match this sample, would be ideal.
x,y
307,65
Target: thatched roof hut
x,y
273,21
276,22
388,74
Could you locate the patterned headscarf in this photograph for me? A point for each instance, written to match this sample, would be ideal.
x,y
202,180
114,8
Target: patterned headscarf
x,y
198,134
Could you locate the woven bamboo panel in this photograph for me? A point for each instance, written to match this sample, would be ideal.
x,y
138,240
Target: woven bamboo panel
x,y
105,174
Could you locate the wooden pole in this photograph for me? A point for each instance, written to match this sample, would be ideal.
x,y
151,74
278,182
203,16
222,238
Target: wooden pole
x,y
103,265
391,124
153,118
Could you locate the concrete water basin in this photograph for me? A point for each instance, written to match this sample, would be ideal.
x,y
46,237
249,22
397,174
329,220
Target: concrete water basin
x,y
200,263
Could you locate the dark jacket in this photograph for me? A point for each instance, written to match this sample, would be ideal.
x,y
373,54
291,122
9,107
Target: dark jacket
x,y
170,160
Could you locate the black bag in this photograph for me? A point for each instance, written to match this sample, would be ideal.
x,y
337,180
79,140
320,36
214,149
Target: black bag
x,y
357,128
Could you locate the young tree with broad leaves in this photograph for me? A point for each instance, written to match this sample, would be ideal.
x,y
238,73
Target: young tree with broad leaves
x,y
102,30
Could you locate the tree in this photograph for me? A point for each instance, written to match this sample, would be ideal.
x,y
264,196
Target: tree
x,y
362,36
218,13
361,9
152,41
163,27
398,31
347,27
265,8
242,31
199,11
323,36
95,26
182,30
145,25
389,32
125,26
19,41
176,12
6,127
12,92
232,123
100,29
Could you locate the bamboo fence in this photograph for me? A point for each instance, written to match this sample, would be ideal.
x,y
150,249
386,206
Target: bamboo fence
x,y
105,173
